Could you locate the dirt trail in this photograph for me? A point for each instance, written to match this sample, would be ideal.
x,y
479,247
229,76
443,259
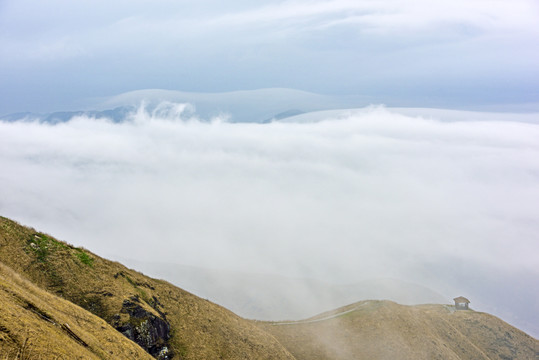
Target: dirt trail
x,y
321,319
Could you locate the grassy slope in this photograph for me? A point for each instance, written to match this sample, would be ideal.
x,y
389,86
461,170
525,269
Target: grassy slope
x,y
33,326
386,330
199,328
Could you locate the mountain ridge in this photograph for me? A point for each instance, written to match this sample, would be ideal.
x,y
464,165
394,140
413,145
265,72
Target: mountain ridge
x,y
375,329
54,287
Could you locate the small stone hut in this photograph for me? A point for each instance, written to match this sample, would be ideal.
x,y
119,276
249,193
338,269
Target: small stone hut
x,y
461,303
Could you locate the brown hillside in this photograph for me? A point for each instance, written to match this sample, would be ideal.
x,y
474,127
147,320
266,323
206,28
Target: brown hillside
x,y
35,324
166,321
386,330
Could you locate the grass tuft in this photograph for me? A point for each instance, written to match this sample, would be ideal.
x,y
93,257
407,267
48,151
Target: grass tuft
x,y
43,246
84,257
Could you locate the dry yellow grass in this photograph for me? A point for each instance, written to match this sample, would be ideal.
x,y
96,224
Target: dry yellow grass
x,y
199,328
35,324
386,330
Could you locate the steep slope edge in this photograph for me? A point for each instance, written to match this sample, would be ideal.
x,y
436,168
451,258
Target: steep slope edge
x,y
164,320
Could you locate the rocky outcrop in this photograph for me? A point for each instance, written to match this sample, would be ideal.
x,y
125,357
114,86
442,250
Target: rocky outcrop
x,y
142,326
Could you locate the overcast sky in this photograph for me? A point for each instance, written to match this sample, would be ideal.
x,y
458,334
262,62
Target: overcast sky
x,y
54,54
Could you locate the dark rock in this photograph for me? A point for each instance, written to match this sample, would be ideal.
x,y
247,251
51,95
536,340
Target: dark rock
x,y
149,331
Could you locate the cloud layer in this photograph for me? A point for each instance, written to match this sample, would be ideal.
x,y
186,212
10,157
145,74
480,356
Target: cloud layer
x,y
361,193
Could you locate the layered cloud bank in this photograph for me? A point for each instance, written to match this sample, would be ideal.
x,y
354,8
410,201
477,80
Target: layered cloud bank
x,y
340,196
363,190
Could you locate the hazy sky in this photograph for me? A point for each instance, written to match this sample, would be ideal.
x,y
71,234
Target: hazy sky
x,y
414,52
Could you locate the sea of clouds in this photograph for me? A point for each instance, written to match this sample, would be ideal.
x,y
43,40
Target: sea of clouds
x,y
339,196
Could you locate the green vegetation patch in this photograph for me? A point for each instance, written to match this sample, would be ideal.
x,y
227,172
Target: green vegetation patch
x,y
43,245
84,257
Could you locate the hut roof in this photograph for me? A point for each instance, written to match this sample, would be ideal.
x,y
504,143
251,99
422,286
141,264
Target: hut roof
x,y
461,299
